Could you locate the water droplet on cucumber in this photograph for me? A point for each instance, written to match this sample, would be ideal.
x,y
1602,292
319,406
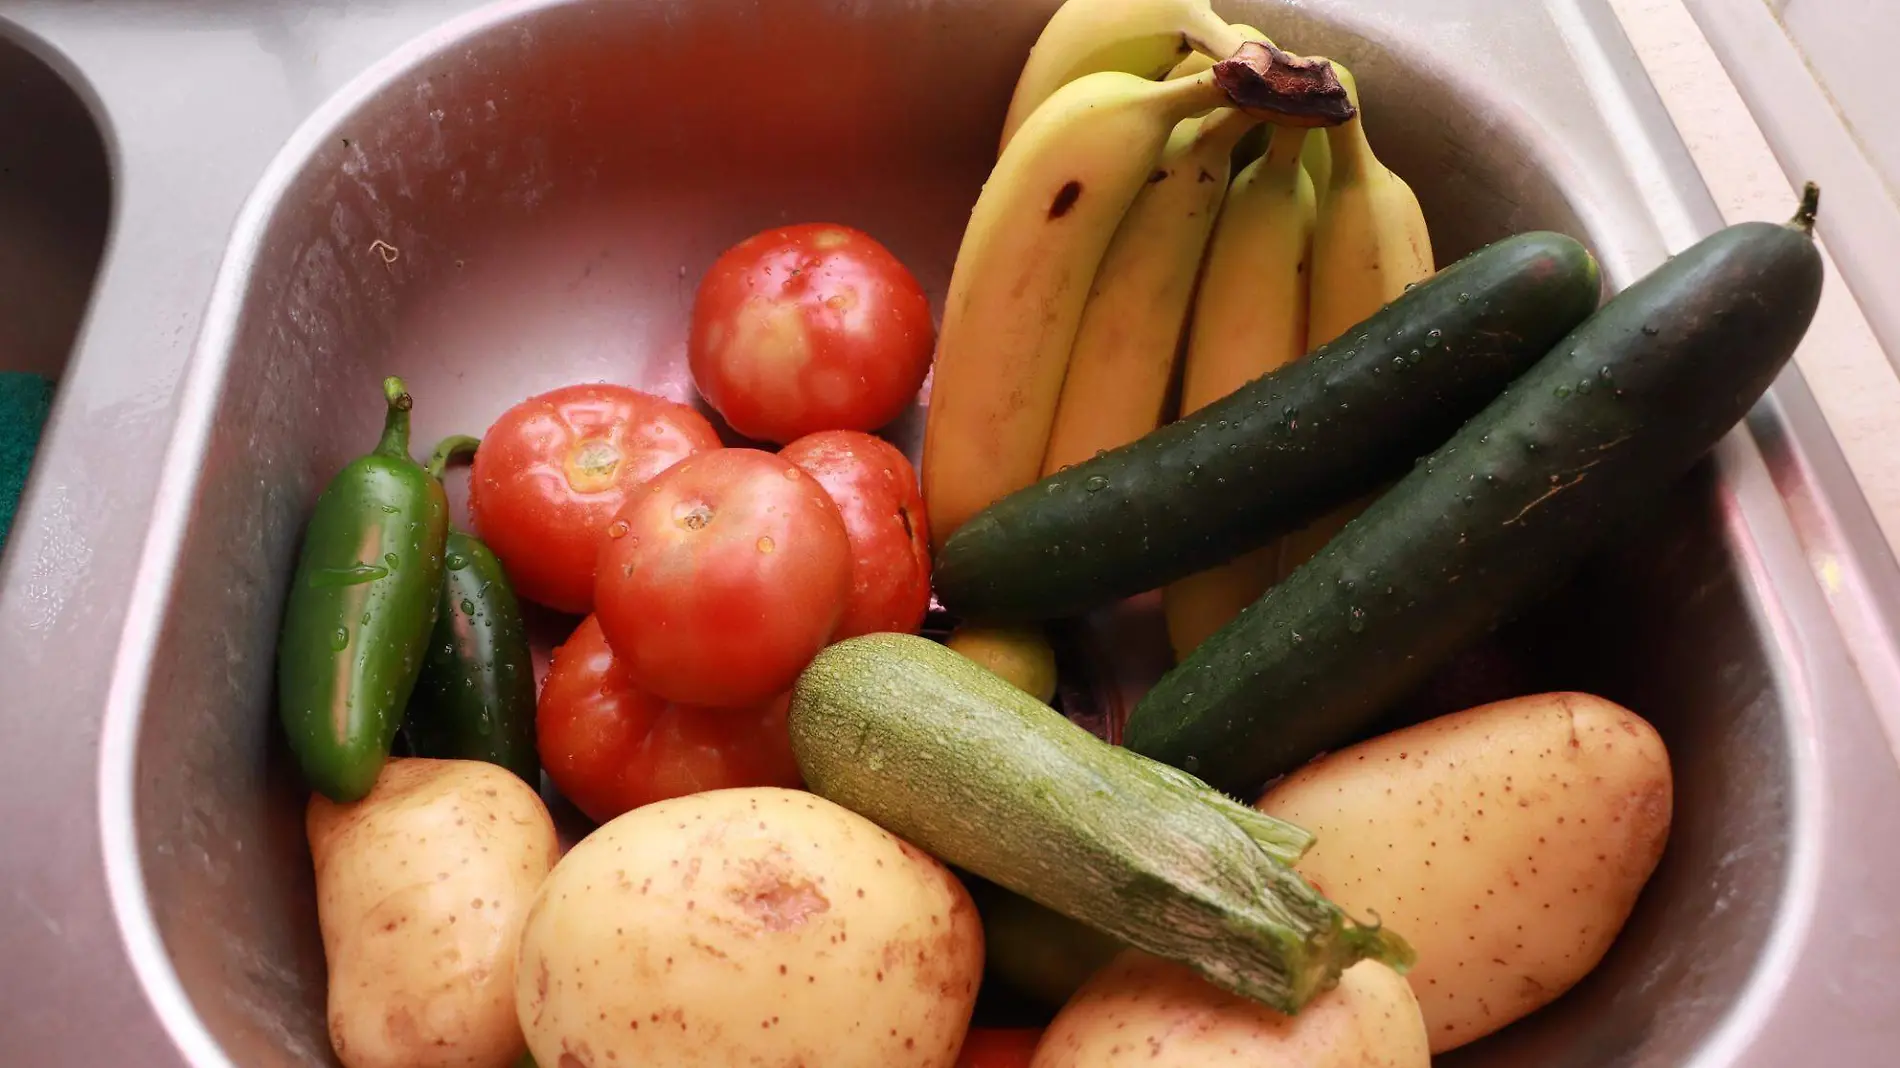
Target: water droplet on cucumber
x,y
355,575
340,640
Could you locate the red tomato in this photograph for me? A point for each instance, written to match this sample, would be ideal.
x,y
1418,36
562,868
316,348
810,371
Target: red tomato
x,y
808,328
721,581
553,471
999,1047
610,746
875,488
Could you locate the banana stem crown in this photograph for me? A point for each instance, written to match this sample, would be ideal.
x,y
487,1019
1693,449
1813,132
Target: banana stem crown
x,y
1283,88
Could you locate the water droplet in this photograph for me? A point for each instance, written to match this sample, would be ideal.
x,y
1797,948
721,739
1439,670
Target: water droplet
x,y
1095,484
1409,286
468,607
1356,622
1464,298
340,640
1562,391
765,544
347,576
1296,638
618,529
1190,762
1415,355
391,509
1433,337
390,559
1585,386
457,562
1398,362
365,619
1603,372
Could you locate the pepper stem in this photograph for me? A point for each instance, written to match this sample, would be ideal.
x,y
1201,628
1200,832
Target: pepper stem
x,y
450,449
1810,207
395,440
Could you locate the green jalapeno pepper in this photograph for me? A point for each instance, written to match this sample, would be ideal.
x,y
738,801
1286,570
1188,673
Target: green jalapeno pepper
x,y
362,604
476,697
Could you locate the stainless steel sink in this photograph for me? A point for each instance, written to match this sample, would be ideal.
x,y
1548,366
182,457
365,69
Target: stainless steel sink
x,y
55,202
524,194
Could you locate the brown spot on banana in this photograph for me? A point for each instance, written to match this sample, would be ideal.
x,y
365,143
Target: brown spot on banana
x,y
1065,199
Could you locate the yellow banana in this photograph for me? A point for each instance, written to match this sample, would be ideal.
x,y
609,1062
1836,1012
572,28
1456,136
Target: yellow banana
x,y
1371,240
1140,37
1125,348
1250,145
1370,244
1317,158
1196,62
1035,238
1249,319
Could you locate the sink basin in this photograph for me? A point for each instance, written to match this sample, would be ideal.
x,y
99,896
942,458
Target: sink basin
x,y
527,196
55,203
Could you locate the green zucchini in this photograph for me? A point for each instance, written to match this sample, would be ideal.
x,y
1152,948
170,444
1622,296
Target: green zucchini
x,y
1277,452
951,758
1615,415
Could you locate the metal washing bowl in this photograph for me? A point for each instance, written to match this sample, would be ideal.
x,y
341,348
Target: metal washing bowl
x,y
524,195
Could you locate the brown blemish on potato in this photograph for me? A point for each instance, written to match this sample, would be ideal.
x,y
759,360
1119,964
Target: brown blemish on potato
x,y
775,896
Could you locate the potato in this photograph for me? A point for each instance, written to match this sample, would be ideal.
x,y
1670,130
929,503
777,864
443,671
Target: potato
x,y
748,926
1142,1010
422,888
1506,843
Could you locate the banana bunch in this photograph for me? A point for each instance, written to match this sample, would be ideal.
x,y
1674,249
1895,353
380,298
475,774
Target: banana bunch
x,y
1110,260
1038,236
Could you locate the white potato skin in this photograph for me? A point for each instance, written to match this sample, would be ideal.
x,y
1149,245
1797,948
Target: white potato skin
x,y
422,888
1142,1010
1507,843
748,927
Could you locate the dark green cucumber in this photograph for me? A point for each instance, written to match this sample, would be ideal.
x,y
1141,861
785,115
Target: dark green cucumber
x,y
475,698
954,760
1279,451
1615,415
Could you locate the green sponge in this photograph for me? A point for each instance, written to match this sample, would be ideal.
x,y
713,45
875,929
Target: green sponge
x,y
24,400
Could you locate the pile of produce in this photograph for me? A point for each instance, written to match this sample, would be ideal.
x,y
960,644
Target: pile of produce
x,y
1195,341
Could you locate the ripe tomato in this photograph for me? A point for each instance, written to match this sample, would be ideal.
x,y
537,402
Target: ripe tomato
x,y
999,1047
808,328
610,746
721,580
553,471
875,488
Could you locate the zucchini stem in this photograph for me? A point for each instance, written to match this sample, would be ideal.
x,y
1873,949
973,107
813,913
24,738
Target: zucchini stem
x,y
1810,207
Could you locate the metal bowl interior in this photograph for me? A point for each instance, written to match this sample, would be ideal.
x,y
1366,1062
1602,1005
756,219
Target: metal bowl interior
x,y
527,197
